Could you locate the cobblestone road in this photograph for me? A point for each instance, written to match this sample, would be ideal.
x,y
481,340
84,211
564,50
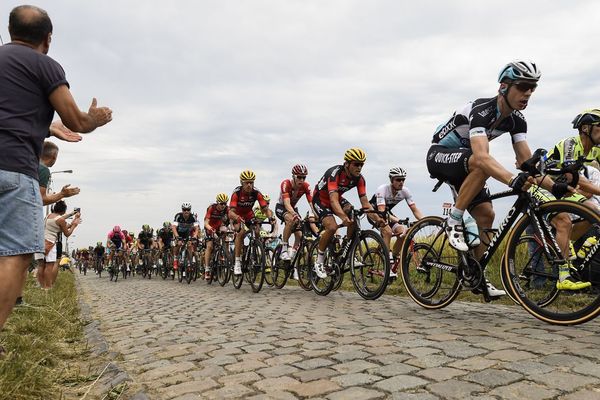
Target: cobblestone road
x,y
179,341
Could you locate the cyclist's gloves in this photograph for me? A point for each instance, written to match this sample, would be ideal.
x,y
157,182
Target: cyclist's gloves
x,y
518,181
559,190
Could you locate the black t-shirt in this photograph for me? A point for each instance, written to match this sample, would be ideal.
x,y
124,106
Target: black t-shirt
x,y
27,78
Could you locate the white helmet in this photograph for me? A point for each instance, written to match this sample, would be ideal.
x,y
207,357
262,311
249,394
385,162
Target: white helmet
x,y
397,172
186,206
519,70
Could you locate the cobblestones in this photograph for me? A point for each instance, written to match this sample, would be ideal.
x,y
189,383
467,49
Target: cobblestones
x,y
210,342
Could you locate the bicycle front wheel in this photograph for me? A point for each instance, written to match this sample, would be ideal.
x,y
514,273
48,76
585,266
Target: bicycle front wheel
x,y
256,265
304,264
370,265
279,269
429,265
532,263
322,286
269,265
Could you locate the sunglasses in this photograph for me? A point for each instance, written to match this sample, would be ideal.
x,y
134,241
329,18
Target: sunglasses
x,y
221,204
300,177
186,209
525,86
399,179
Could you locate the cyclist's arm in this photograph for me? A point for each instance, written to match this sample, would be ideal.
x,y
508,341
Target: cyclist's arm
x,y
480,146
288,205
416,212
588,186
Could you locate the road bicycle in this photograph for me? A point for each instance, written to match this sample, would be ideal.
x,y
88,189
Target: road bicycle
x,y
434,273
282,270
187,262
146,258
364,255
253,259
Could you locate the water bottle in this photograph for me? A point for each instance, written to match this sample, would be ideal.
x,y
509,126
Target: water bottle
x,y
471,232
586,246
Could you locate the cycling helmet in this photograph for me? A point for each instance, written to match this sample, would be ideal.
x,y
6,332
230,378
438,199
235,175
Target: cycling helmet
x,y
355,154
299,169
247,175
145,227
267,197
124,232
222,198
117,228
397,172
166,224
98,243
186,206
519,70
587,117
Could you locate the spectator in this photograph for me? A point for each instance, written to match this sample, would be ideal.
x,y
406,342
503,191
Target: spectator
x,y
48,159
32,87
55,223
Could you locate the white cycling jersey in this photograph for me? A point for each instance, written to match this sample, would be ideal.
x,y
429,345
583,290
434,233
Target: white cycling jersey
x,y
384,196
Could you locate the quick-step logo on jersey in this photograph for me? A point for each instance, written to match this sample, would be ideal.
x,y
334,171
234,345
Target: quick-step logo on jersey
x,y
447,158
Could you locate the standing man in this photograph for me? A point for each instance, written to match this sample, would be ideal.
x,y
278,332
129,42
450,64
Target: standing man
x,y
32,87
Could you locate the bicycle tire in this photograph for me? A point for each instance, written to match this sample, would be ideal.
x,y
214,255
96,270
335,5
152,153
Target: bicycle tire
x,y
280,269
370,265
535,286
256,266
321,286
426,243
269,266
303,264
223,267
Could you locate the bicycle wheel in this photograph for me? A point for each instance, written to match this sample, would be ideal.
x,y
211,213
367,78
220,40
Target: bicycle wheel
x,y
280,269
256,265
303,264
111,272
269,254
429,264
322,286
533,272
370,265
190,269
238,279
223,266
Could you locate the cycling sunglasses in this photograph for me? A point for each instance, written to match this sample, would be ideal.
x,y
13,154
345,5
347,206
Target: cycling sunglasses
x,y
525,86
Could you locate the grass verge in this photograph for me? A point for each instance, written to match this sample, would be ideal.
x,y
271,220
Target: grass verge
x,y
44,343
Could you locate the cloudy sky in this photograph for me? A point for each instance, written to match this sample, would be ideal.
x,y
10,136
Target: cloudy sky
x,y
201,90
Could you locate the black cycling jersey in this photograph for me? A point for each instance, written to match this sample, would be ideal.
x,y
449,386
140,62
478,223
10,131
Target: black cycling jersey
x,y
166,235
479,118
184,226
145,238
99,251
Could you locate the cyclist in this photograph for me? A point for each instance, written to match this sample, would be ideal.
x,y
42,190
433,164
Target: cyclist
x,y
262,216
165,236
115,241
385,198
145,240
214,219
184,226
240,210
99,254
460,155
291,191
328,200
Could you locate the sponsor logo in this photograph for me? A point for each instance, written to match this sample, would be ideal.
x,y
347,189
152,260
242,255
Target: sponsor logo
x,y
447,158
446,129
445,267
497,235
431,155
485,112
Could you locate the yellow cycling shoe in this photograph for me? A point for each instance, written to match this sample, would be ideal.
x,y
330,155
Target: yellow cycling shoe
x,y
568,284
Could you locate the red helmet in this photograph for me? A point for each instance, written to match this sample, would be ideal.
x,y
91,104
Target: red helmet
x,y
299,169
117,228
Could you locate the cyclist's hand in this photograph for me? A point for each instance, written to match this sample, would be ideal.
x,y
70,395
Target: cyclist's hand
x,y
521,182
346,221
559,190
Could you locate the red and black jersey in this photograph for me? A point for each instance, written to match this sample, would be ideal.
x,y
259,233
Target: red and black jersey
x,y
287,192
214,216
243,202
336,180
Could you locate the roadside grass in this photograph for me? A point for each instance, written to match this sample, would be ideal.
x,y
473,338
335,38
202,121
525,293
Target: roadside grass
x,y
44,344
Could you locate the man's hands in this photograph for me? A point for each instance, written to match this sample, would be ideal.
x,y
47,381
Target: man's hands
x,y
67,191
100,115
58,130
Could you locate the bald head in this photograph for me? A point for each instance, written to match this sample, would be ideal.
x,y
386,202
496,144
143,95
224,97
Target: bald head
x,y
29,24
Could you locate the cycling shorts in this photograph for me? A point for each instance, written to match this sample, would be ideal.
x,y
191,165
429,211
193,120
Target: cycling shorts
x,y
280,211
323,211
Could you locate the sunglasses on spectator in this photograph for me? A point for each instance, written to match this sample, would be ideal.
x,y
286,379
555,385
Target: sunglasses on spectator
x,y
525,86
